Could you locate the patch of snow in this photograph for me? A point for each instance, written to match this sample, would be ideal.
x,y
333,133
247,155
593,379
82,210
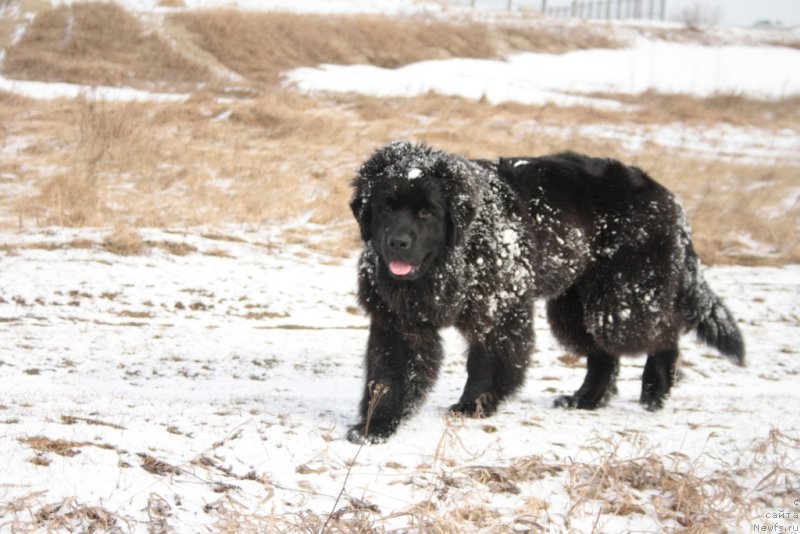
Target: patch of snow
x,y
729,142
649,65
52,91
223,116
14,144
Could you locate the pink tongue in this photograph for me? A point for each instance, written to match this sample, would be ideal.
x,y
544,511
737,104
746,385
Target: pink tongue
x,y
400,268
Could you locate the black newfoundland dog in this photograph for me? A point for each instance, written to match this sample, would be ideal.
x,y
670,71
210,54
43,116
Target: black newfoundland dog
x,y
455,242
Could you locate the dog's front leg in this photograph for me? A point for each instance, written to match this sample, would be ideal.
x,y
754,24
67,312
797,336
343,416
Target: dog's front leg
x,y
497,360
401,366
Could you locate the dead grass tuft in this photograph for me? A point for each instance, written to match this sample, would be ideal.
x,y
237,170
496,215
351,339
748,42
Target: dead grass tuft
x,y
72,200
98,44
56,446
71,420
124,241
176,248
476,516
106,137
156,466
669,487
776,455
73,516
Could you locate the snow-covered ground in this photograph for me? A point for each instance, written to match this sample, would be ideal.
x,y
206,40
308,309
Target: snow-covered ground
x,y
216,386
538,78
53,91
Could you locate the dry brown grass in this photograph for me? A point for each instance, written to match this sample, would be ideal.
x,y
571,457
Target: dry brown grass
x,y
282,155
669,486
98,44
124,241
259,46
619,474
73,516
56,446
722,108
277,155
105,137
101,44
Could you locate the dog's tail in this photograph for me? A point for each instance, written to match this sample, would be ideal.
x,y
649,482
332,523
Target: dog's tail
x,y
717,327
707,315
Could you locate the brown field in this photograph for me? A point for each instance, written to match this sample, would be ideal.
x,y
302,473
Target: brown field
x,y
98,44
264,154
281,155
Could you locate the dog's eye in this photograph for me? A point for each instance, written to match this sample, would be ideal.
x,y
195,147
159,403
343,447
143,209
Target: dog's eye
x,y
425,213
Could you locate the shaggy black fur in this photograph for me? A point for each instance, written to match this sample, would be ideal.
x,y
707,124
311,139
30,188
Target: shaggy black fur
x,y
454,242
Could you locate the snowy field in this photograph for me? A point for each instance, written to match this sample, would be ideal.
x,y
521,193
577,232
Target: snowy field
x,y
206,383
535,78
196,390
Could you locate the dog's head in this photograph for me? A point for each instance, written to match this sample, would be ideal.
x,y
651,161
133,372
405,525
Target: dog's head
x,y
413,205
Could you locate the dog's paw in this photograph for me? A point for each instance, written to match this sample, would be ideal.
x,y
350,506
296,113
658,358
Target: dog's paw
x,y
576,401
359,434
653,396
652,402
483,406
465,409
475,409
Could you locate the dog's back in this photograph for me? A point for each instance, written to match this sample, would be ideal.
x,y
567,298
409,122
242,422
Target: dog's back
x,y
632,223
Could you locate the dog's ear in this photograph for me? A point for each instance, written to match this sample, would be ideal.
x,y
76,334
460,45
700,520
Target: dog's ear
x,y
373,170
362,213
461,207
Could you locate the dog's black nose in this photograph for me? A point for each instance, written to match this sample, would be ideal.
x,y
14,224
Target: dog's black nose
x,y
399,240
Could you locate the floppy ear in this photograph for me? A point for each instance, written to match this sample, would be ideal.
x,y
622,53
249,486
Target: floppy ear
x,y
461,207
362,213
372,170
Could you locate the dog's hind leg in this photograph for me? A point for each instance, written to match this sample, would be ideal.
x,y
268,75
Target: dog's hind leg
x,y
565,315
658,378
598,386
497,361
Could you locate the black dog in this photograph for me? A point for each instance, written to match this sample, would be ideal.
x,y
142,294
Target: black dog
x,y
450,241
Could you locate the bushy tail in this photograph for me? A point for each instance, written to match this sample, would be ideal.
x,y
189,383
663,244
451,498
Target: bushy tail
x,y
716,326
704,311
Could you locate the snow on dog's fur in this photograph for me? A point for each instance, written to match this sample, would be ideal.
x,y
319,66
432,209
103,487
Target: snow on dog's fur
x,y
455,242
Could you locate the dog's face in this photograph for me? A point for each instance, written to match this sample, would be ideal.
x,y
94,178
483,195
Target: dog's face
x,y
411,206
409,230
